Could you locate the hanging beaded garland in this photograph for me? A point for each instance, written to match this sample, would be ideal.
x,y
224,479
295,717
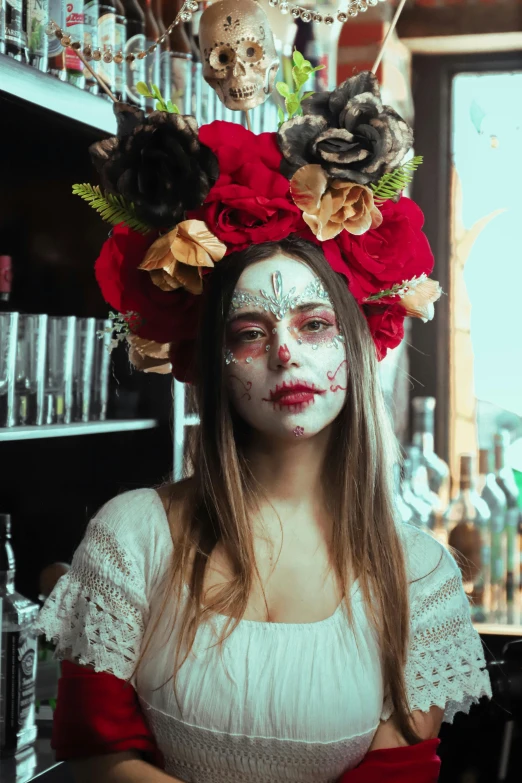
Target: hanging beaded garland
x,y
189,7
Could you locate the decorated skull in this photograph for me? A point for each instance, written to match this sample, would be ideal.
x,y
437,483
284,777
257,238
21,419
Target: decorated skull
x,y
238,52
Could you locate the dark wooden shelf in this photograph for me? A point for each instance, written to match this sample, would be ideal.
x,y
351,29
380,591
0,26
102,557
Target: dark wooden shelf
x,y
22,82
76,428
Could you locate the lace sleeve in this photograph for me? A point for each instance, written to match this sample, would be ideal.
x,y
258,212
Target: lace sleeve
x,y
445,665
96,614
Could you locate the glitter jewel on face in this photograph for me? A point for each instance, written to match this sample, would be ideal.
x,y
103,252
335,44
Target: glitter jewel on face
x,y
229,358
279,303
298,432
249,360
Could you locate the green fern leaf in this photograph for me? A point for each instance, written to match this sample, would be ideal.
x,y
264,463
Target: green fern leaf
x,y
112,208
393,182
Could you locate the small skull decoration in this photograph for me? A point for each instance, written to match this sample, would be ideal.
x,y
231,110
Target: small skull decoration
x,y
238,52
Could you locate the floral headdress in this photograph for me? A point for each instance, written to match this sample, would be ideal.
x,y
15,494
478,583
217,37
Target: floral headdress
x,y
181,199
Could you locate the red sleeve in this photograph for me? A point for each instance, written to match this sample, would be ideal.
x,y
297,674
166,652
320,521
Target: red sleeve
x,y
409,764
97,713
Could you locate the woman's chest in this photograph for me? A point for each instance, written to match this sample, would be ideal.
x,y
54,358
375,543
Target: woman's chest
x,y
295,585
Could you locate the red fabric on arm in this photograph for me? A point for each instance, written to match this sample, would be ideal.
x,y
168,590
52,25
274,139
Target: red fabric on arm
x,y
97,713
408,764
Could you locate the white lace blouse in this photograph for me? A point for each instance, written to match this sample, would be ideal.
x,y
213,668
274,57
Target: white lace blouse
x,y
286,701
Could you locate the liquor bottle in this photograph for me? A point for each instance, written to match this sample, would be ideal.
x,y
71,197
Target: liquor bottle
x,y
135,69
424,437
165,70
107,40
181,61
467,521
420,485
55,50
90,40
120,38
74,22
404,511
490,491
421,509
19,645
15,35
506,481
37,41
6,279
152,61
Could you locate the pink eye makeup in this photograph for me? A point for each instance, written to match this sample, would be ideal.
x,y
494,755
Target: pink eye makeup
x,y
316,327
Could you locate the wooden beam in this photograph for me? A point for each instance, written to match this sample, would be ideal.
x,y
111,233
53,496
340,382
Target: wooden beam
x,y
419,22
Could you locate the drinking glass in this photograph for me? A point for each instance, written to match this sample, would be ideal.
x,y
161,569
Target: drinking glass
x,y
31,353
60,366
8,339
102,365
83,367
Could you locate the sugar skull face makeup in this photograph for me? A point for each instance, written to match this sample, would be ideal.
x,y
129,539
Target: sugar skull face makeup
x,y
285,358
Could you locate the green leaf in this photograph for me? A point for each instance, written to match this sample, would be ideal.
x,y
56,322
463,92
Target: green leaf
x,y
292,104
280,115
307,94
112,208
283,89
318,68
393,182
300,77
172,108
142,89
298,58
155,90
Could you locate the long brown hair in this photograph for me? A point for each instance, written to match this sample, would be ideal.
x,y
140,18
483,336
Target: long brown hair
x,y
221,494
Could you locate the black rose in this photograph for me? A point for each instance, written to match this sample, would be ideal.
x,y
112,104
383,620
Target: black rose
x,y
348,132
157,163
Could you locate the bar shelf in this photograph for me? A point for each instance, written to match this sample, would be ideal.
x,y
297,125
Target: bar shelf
x,y
76,428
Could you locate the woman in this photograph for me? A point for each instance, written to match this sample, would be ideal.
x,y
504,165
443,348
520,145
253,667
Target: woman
x,y
274,620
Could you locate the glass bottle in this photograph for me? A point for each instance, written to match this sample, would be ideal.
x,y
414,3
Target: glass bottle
x,y
181,61
55,51
37,41
404,511
152,61
120,33
420,484
19,655
423,436
90,39
489,490
421,510
106,41
74,24
15,35
6,281
467,522
165,71
506,481
135,68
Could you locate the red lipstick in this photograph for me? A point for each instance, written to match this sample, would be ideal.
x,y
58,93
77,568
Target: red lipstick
x,y
293,393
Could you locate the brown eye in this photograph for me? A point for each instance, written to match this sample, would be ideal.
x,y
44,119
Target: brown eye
x,y
221,57
250,51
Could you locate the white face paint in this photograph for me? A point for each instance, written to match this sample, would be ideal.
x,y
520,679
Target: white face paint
x,y
285,358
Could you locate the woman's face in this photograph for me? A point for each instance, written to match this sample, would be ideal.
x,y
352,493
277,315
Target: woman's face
x,y
285,358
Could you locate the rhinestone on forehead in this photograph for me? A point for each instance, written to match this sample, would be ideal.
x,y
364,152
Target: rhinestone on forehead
x,y
279,303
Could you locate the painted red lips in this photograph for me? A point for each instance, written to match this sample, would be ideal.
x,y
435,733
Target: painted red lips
x,y
293,393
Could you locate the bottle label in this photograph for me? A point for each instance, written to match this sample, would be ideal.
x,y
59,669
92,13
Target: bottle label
x,y
20,655
106,39
498,557
14,32
120,35
56,13
135,71
74,23
36,21
90,29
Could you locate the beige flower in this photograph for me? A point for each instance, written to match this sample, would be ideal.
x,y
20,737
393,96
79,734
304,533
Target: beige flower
x,y
176,260
331,206
148,356
420,296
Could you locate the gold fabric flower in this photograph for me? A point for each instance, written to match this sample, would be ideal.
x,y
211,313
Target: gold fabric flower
x,y
329,206
420,296
176,260
148,356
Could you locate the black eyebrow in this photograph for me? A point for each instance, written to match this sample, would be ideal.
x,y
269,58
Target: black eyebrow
x,y
299,309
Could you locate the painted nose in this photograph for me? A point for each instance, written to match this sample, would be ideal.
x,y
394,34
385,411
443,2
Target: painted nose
x,y
282,352
238,69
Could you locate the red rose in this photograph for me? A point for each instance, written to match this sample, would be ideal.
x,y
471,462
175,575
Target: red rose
x,y
250,203
397,250
386,326
165,316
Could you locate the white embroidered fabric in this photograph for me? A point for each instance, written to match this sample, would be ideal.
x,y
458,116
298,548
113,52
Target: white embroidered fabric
x,y
290,702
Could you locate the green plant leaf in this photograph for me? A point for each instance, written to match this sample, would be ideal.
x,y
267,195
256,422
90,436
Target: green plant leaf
x,y
155,90
307,94
172,108
300,77
298,58
112,208
283,89
280,116
142,89
393,182
317,68
292,104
